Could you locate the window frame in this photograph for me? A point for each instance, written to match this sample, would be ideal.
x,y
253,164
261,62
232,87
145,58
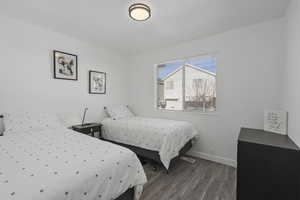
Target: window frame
x,y
170,86
185,60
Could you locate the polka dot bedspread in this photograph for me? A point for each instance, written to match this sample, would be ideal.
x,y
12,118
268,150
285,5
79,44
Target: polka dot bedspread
x,y
61,164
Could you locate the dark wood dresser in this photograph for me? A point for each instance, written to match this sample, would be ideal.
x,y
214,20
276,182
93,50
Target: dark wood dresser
x,y
268,166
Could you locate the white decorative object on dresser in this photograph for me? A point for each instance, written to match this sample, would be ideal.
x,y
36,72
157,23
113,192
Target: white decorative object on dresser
x,y
275,121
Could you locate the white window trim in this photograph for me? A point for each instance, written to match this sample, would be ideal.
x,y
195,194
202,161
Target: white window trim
x,y
184,59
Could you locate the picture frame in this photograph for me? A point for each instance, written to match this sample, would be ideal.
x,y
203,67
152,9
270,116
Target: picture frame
x,y
65,65
97,82
276,121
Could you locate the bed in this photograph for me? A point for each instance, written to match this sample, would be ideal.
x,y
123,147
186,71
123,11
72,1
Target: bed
x,y
58,163
160,140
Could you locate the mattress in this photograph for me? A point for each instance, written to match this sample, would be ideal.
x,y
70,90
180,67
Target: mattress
x,y
62,164
162,135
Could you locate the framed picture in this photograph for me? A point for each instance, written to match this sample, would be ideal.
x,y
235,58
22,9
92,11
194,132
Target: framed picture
x,y
276,121
97,82
65,66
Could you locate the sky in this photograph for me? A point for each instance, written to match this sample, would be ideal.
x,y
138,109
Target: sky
x,y
208,64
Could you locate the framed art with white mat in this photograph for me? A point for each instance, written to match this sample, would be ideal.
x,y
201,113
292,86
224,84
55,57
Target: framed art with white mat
x,y
65,66
276,121
97,82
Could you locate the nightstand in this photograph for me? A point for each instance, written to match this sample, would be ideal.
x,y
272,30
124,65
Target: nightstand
x,y
91,129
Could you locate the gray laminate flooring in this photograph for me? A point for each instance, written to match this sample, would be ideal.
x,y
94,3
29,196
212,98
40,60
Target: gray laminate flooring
x,y
204,180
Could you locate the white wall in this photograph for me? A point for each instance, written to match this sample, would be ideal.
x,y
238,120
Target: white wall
x,y
26,78
291,95
248,81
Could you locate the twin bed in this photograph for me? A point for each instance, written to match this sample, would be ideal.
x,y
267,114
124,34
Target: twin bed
x,y
160,140
40,159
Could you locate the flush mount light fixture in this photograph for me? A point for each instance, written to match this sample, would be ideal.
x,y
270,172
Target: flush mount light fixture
x,y
139,12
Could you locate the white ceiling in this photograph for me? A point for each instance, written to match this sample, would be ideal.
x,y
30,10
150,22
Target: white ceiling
x,y
106,22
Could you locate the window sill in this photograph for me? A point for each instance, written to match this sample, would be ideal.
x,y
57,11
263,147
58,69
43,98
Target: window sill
x,y
212,113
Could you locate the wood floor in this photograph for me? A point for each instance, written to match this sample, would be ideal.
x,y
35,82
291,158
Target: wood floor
x,y
203,180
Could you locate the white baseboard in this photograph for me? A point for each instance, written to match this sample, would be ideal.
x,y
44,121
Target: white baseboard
x,y
218,159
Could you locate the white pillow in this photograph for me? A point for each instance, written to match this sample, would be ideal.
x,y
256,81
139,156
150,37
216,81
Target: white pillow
x,y
119,112
24,122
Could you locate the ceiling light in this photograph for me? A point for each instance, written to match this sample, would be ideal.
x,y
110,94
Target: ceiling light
x,y
139,12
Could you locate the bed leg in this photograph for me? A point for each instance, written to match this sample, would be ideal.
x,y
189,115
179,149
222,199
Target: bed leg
x,y
154,168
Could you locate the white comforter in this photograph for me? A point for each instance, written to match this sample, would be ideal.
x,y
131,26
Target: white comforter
x,y
63,164
165,136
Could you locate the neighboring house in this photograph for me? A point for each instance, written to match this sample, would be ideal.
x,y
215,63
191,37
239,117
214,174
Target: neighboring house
x,y
200,89
160,93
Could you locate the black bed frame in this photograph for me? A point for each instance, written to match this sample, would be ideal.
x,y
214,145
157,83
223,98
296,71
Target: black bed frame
x,y
1,117
153,155
127,195
148,154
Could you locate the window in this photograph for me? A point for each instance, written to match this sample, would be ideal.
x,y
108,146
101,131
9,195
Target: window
x,y
169,85
188,84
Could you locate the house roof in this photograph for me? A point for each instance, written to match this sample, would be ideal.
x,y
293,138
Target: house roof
x,y
191,66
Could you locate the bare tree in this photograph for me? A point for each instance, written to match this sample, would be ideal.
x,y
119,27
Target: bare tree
x,y
204,92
